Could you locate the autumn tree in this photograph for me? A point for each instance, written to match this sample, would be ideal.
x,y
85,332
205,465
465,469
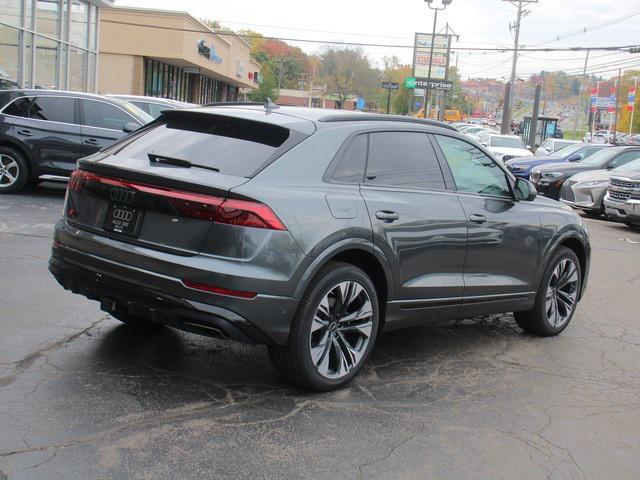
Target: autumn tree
x,y
348,72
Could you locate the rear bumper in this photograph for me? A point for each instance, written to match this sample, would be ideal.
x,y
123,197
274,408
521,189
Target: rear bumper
x,y
263,319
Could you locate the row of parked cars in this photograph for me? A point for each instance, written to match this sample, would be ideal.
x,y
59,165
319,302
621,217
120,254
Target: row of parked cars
x,y
44,132
600,179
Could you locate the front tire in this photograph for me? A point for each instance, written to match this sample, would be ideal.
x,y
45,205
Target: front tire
x,y
557,296
14,170
333,332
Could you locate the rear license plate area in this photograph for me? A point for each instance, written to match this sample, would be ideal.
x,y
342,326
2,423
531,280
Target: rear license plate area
x,y
123,220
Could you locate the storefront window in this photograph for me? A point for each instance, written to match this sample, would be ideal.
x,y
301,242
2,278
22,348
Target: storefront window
x,y
9,56
48,17
79,34
46,62
78,69
10,12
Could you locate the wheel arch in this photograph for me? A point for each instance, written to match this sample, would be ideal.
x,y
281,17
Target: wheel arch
x,y
10,142
362,254
580,246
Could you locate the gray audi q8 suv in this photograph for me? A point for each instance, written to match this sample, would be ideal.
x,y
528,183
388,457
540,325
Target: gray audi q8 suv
x,y
311,231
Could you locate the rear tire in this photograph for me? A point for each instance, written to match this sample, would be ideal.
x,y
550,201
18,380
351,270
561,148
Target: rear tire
x,y
557,296
333,332
14,170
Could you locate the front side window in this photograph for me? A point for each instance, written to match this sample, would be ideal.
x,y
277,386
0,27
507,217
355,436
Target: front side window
x,y
403,159
19,107
352,162
53,109
624,158
105,115
472,170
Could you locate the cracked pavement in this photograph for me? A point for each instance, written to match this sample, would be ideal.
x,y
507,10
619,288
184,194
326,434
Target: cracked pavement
x,y
83,397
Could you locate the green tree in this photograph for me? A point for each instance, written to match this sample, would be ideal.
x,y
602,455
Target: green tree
x,y
267,86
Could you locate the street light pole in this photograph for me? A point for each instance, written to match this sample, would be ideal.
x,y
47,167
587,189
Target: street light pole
x,y
427,107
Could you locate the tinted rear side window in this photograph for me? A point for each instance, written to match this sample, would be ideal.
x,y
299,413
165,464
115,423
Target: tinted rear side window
x,y
351,166
233,146
403,159
19,107
53,109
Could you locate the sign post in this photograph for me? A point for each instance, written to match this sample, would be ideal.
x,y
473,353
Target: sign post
x,y
389,86
632,102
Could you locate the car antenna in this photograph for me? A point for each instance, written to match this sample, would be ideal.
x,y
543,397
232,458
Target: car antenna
x,y
269,105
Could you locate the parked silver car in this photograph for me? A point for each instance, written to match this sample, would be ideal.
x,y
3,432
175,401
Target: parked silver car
x,y
622,201
586,190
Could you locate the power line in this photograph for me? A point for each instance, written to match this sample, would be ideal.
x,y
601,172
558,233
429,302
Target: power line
x,y
606,23
359,44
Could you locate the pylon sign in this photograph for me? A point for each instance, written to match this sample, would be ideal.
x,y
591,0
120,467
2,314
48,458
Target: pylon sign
x,y
594,98
632,98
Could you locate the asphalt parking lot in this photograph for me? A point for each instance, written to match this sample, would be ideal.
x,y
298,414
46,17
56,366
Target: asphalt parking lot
x,y
82,397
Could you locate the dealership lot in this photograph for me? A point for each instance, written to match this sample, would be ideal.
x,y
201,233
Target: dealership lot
x,y
83,397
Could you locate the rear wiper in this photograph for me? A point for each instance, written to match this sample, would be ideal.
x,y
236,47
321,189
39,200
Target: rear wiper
x,y
153,158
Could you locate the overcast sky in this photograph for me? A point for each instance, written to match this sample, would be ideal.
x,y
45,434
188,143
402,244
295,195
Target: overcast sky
x,y
480,23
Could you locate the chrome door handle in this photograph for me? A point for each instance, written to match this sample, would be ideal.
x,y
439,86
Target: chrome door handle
x,y
387,215
475,218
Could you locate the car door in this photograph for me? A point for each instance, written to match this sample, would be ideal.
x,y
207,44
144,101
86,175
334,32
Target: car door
x,y
50,131
102,124
417,223
503,246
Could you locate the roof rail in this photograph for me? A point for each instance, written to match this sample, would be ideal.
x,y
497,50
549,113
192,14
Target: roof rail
x,y
232,104
383,118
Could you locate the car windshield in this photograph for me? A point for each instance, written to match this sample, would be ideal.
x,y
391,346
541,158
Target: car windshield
x,y
600,157
627,167
507,142
562,145
143,116
570,150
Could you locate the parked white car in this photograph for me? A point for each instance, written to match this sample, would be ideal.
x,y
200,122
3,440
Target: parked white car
x,y
504,147
552,145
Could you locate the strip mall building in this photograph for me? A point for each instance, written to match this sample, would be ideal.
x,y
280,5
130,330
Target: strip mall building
x,y
171,55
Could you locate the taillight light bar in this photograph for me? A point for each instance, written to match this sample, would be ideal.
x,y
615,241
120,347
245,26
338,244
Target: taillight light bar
x,y
219,290
206,207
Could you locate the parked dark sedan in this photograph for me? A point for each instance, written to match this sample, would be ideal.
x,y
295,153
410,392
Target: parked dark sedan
x,y
522,166
548,179
44,132
311,231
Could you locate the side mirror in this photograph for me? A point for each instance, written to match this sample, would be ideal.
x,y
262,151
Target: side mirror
x,y
611,166
524,190
130,127
574,158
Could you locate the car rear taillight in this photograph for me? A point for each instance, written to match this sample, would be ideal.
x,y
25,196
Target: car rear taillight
x,y
243,213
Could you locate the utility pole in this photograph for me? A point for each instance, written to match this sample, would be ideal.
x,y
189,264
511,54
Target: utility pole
x,y
506,119
582,88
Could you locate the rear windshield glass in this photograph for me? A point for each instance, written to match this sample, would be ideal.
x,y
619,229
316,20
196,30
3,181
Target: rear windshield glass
x,y
233,146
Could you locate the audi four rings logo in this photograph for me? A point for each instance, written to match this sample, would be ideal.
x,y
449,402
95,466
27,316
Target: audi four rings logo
x,y
124,215
122,195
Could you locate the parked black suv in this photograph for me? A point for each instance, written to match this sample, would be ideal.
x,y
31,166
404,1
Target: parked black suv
x,y
311,231
44,132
